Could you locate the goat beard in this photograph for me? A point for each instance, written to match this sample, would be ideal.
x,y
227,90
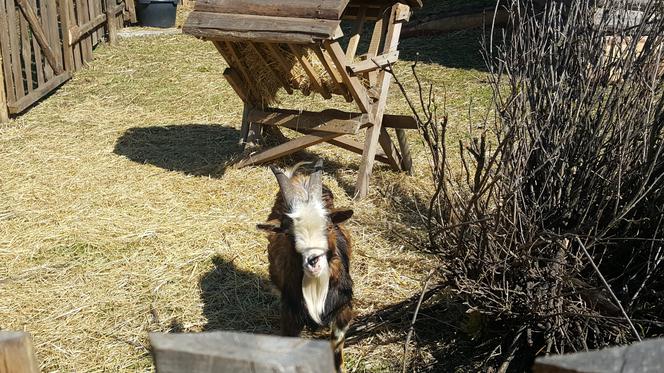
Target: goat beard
x,y
314,292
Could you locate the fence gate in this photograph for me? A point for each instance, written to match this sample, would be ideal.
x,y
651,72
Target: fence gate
x,y
42,42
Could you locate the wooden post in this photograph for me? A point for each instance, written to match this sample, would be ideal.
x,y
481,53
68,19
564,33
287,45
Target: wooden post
x,y
226,352
4,114
111,25
17,354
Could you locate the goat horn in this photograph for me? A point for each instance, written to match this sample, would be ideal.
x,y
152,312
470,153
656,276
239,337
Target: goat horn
x,y
316,181
285,186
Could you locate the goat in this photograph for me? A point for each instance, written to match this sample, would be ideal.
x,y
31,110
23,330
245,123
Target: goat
x,y
309,254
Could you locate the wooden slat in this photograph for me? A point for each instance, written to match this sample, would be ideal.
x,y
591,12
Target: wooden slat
x,y
357,31
53,31
374,63
393,156
236,27
131,9
111,25
314,79
4,113
12,15
17,354
333,121
5,48
333,73
353,84
349,144
287,148
75,47
399,121
275,73
24,102
236,83
77,32
26,52
68,56
42,38
237,63
83,17
325,9
39,59
284,66
378,109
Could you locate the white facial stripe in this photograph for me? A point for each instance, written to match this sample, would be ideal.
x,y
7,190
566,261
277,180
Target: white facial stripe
x,y
309,226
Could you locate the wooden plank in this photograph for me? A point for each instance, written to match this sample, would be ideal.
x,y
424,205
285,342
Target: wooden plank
x,y
24,102
50,12
78,32
333,121
237,27
327,63
393,156
235,82
374,63
111,26
5,47
12,15
16,353
4,113
237,63
354,41
83,18
284,66
26,52
353,84
380,28
227,352
325,9
68,56
131,10
275,73
314,79
38,32
349,144
287,148
77,49
378,110
406,158
646,356
399,121
40,64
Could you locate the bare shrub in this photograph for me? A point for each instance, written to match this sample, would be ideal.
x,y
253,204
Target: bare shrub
x,y
554,234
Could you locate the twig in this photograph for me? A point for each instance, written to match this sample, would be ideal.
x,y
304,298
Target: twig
x,y
606,285
412,322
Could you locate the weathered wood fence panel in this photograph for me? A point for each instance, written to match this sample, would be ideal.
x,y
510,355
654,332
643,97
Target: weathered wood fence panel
x,y
16,353
226,352
42,42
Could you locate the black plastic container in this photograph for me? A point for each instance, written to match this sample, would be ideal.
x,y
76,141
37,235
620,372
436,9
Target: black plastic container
x,y
156,13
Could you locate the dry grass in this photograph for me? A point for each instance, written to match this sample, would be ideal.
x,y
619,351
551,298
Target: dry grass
x,y
121,212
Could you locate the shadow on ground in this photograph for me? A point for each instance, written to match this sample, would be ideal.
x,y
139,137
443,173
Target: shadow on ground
x,y
194,149
237,300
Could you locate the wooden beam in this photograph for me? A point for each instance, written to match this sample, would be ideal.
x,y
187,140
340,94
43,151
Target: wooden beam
x,y
288,148
68,57
4,114
354,41
226,352
353,84
236,83
38,32
309,70
16,353
374,63
327,63
349,144
77,32
111,25
333,121
27,100
391,151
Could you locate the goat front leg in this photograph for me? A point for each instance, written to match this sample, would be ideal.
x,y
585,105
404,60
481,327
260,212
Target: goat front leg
x,y
339,328
292,322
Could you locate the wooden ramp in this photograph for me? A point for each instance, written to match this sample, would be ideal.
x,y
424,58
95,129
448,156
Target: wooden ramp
x,y
296,45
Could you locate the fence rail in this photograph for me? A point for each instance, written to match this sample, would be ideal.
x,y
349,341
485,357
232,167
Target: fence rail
x,y
42,42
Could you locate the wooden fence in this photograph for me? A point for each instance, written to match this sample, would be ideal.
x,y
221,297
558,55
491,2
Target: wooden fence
x,y
42,42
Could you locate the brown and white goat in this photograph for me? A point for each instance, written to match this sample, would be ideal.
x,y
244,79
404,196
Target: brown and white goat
x,y
309,253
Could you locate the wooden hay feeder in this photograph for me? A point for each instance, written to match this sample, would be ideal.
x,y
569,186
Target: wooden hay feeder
x,y
297,45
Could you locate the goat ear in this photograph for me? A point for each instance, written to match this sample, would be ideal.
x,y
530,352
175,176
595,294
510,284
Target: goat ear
x,y
270,227
339,216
